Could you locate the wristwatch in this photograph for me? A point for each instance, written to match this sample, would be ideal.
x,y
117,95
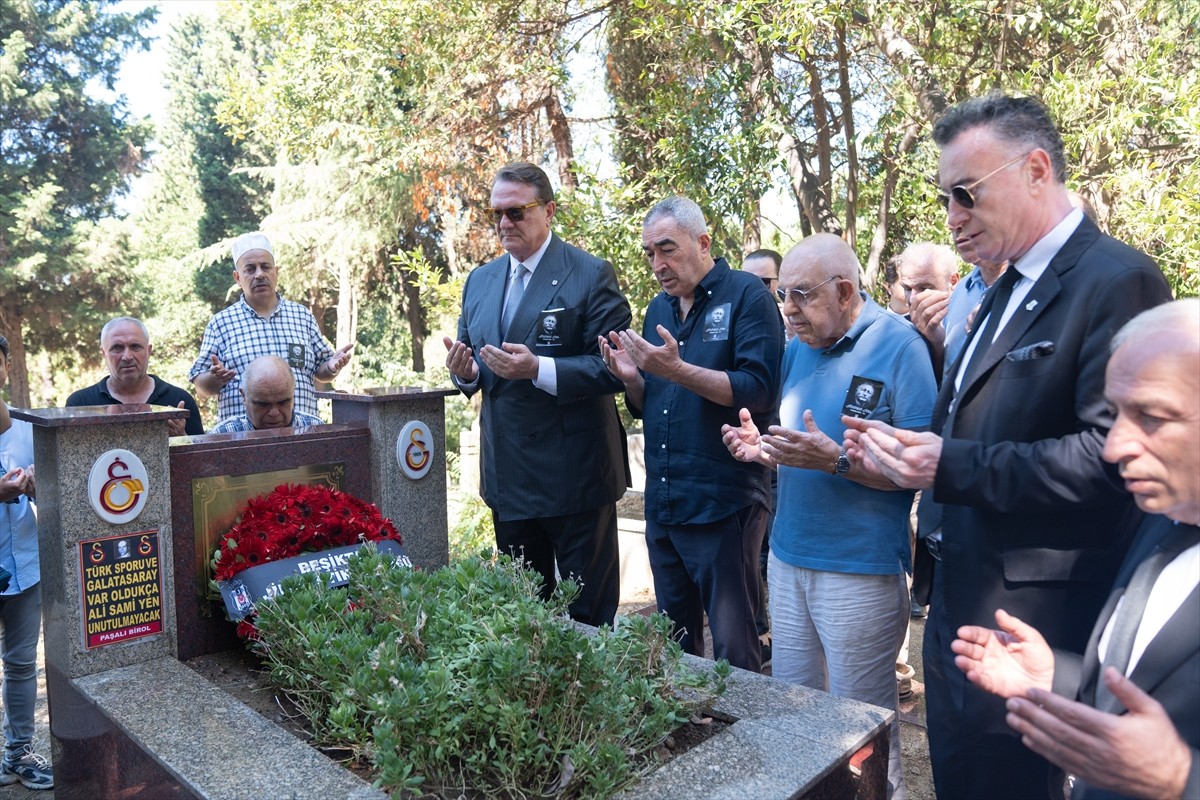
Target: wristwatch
x,y
843,463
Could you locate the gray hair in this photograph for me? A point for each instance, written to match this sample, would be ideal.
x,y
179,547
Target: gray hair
x,y
1020,120
686,213
943,257
112,323
1177,317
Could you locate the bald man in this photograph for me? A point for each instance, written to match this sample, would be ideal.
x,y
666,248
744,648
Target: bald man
x,y
268,390
839,548
927,274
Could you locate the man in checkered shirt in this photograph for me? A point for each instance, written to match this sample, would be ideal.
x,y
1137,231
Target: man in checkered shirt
x,y
262,323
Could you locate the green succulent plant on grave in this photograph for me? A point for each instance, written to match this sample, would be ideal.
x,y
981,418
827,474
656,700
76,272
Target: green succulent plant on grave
x,y
461,681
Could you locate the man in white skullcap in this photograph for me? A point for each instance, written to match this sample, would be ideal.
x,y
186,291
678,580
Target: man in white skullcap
x,y
262,323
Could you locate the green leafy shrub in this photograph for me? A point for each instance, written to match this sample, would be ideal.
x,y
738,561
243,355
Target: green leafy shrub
x,y
460,681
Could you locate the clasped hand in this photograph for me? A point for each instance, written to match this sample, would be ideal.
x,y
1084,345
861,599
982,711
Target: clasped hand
x,y
807,449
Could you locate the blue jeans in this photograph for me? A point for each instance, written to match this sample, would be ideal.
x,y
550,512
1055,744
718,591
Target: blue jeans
x,y
21,618
840,633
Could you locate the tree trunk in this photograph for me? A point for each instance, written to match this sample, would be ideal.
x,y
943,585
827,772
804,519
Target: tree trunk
x,y
890,178
847,100
930,96
18,374
416,324
811,197
560,129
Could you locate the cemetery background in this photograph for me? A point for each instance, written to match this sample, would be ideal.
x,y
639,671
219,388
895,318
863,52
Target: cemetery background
x,y
365,144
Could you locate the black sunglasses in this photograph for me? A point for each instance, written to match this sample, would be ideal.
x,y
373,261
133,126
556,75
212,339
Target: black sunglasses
x,y
962,194
514,214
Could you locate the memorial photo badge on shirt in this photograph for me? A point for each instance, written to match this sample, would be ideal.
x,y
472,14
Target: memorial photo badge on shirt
x,y
862,397
716,323
295,356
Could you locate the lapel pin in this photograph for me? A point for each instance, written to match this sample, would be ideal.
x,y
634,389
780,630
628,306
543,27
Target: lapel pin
x,y
554,282
1031,305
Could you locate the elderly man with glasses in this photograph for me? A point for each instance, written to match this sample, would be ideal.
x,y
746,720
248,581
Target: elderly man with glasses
x,y
553,455
840,545
1019,510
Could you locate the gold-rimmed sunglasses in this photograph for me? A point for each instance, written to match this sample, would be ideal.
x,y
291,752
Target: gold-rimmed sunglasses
x,y
514,214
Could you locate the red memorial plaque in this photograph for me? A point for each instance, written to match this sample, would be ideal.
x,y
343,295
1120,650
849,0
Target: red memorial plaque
x,y
121,582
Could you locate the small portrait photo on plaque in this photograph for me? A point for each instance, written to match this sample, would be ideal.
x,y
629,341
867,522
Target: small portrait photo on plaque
x,y
123,549
862,397
716,323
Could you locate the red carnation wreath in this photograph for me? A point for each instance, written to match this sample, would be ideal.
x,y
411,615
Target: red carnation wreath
x,y
295,519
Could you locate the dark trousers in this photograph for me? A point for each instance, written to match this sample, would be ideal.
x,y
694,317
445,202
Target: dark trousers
x,y
974,753
713,568
583,545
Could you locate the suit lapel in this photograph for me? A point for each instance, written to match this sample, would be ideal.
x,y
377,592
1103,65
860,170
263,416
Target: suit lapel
x,y
543,285
1036,302
1174,644
1153,531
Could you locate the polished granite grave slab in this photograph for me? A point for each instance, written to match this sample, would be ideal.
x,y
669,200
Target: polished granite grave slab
x,y
212,745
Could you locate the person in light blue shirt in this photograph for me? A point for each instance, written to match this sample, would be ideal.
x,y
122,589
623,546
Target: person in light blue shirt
x,y
840,547
20,601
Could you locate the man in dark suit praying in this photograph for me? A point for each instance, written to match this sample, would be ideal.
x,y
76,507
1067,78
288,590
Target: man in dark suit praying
x,y
553,455
1023,513
1134,729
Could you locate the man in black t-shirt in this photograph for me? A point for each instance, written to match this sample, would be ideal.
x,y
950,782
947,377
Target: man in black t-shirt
x,y
125,345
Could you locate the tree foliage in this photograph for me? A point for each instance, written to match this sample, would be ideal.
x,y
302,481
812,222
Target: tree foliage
x,y
65,155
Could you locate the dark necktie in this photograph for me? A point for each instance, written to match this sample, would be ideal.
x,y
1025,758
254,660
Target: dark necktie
x,y
516,290
1000,294
1133,607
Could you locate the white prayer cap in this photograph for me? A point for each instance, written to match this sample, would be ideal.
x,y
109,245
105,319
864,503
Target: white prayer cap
x,y
250,241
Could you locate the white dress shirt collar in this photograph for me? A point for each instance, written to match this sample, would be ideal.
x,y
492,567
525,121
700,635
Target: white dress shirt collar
x,y
530,263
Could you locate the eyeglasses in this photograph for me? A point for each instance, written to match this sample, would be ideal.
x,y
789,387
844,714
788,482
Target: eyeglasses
x,y
514,214
962,194
801,296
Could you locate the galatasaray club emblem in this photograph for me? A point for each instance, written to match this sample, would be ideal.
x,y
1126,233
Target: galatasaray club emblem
x,y
117,486
414,450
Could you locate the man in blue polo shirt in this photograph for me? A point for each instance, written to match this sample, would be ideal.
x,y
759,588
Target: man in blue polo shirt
x,y
839,548
711,344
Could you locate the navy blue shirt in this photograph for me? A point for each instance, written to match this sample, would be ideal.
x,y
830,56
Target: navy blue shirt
x,y
164,394
733,326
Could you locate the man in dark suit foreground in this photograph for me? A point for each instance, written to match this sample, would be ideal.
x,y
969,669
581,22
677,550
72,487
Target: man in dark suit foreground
x,y
553,451
1135,729
1023,513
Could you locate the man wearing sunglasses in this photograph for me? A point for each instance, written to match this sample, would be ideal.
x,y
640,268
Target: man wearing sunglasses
x,y
1031,518
553,456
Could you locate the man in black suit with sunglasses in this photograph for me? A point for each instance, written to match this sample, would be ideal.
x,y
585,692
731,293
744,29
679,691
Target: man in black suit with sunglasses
x,y
1019,511
553,455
